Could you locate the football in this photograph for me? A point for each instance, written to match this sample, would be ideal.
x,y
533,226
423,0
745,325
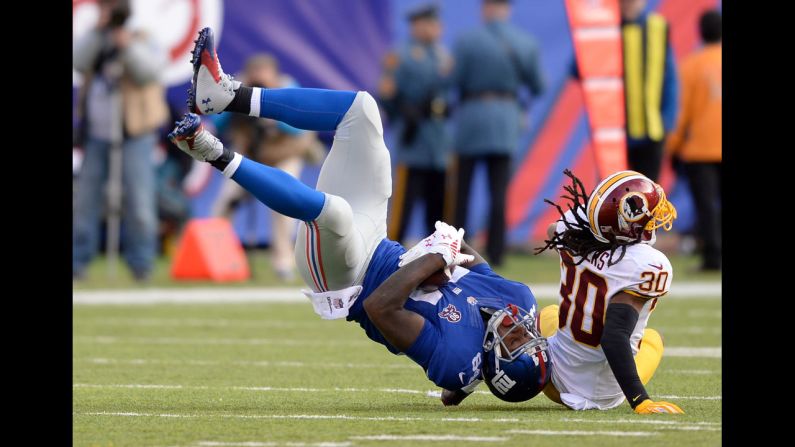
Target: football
x,y
436,280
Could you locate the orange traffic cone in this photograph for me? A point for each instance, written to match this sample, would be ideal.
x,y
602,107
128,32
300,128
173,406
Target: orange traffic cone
x,y
209,249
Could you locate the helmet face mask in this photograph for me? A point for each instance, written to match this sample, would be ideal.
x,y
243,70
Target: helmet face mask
x,y
518,374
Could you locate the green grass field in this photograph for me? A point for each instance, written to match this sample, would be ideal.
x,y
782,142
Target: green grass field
x,y
521,267
274,374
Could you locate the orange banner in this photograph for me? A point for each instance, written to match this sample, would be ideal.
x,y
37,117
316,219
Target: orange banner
x,y
596,33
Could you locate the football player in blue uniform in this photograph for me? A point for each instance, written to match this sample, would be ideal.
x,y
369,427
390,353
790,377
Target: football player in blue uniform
x,y
473,325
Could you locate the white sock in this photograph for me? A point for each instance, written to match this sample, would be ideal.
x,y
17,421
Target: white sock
x,y
256,94
230,169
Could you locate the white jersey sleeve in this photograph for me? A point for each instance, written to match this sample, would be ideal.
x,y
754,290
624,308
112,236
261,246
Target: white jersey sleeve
x,y
652,275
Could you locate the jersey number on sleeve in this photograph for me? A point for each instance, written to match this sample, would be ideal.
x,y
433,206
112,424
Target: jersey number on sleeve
x,y
588,279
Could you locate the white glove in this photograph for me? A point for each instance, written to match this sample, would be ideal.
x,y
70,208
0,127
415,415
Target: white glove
x,y
446,241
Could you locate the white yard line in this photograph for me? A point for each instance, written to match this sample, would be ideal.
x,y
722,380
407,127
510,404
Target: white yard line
x,y
582,433
695,372
693,330
428,393
690,397
685,290
258,363
270,444
660,424
446,438
639,421
703,352
111,339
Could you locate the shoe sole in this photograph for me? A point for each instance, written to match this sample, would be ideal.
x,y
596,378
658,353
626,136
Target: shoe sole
x,y
205,35
185,127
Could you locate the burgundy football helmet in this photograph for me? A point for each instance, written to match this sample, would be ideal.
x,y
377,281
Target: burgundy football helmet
x,y
627,206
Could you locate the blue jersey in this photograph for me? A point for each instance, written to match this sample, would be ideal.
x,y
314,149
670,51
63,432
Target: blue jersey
x,y
449,347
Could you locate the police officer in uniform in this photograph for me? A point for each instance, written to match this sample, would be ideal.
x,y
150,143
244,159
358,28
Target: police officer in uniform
x,y
412,92
492,62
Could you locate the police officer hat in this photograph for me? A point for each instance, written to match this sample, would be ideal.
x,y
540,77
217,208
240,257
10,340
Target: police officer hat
x,y
424,11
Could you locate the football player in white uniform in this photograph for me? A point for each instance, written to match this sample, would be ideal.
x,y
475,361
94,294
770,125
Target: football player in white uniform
x,y
611,281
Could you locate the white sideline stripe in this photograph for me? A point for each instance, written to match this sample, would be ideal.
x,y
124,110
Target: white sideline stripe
x,y
197,322
430,438
582,433
712,352
691,397
262,363
666,425
294,416
710,290
689,330
109,339
271,444
640,421
428,393
223,322
691,371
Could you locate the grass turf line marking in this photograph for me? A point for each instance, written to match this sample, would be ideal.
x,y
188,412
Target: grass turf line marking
x,y
704,290
263,363
582,433
667,425
705,352
430,438
270,444
429,393
109,339
640,421
690,371
293,416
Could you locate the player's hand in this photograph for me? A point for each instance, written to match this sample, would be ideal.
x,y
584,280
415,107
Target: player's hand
x,y
650,407
453,398
446,240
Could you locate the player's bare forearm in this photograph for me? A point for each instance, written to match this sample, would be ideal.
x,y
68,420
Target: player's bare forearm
x,y
467,250
384,306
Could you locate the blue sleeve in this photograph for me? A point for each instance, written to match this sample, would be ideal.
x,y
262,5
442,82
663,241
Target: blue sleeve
x,y
279,190
281,125
484,269
670,93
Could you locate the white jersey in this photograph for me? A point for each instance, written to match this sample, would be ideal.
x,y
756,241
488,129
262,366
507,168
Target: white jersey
x,y
581,372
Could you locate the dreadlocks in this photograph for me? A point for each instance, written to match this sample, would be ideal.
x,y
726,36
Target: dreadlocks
x,y
577,239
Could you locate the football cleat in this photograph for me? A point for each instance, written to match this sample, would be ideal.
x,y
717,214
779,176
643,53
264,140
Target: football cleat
x,y
192,138
211,89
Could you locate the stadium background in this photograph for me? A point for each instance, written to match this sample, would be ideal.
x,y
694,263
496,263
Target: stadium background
x,y
339,44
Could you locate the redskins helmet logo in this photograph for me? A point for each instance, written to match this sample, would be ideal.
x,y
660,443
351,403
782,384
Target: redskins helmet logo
x,y
634,207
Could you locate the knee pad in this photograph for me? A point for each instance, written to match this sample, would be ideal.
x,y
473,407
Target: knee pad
x,y
336,215
548,320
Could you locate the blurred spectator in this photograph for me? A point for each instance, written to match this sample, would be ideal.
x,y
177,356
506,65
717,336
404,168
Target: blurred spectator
x,y
113,58
173,204
650,86
696,141
270,142
492,62
413,94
